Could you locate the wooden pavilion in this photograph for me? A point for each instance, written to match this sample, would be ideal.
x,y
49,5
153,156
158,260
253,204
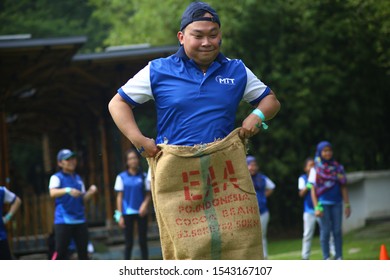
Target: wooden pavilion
x,y
51,97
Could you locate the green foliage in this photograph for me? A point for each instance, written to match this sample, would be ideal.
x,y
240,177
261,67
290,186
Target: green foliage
x,y
136,22
327,61
46,18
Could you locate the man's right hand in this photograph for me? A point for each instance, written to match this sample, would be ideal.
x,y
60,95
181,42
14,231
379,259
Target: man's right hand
x,y
148,147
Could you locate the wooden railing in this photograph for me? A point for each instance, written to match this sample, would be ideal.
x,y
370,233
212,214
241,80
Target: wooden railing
x,y
28,231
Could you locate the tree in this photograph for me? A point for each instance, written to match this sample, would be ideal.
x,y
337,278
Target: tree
x,y
45,18
328,62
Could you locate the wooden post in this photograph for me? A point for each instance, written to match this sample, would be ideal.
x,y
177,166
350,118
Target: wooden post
x,y
93,178
26,205
35,217
4,167
106,177
47,163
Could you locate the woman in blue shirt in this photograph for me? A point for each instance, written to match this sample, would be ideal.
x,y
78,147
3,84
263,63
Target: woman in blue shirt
x,y
132,200
68,190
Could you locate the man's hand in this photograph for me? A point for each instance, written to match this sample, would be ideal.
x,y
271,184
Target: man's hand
x,y
147,147
75,192
250,126
92,189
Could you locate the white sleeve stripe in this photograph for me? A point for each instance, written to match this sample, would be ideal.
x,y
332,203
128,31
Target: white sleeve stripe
x,y
269,184
312,176
54,182
127,98
255,88
118,184
138,89
264,94
9,197
301,184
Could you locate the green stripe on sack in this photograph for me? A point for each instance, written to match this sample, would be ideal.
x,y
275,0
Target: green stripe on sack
x,y
216,241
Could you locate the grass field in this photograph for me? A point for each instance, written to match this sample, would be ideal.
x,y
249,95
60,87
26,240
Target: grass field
x,y
362,244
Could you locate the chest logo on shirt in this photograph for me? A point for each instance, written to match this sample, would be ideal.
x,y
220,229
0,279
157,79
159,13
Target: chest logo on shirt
x,y
225,81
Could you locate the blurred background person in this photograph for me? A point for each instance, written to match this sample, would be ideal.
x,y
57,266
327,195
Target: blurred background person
x,y
68,190
132,202
309,217
328,193
7,197
264,187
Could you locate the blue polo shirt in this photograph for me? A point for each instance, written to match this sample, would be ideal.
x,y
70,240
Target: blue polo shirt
x,y
68,209
133,188
261,183
194,107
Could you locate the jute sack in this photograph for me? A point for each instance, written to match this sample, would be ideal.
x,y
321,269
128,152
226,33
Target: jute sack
x,y
205,202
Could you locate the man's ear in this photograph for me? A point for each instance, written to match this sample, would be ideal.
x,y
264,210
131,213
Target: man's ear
x,y
180,37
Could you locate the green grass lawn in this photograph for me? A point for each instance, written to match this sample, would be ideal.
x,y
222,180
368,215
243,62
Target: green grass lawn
x,y
362,244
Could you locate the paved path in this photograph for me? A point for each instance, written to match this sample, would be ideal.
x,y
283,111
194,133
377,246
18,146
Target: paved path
x,y
115,252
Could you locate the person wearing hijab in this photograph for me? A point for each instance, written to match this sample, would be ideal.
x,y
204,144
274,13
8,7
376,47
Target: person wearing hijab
x,y
328,181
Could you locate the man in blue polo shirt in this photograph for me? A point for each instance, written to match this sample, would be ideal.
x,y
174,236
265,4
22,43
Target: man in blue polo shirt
x,y
196,91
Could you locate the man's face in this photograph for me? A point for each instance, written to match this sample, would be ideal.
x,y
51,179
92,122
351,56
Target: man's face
x,y
201,41
253,168
68,165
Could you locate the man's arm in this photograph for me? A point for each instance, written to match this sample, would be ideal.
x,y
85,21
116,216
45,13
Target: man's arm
x,y
57,192
143,210
14,207
119,199
270,106
91,191
122,114
302,187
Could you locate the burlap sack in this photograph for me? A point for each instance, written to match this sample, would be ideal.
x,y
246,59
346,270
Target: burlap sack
x,y
205,201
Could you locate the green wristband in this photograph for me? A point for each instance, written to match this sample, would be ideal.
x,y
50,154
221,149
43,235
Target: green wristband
x,y
319,207
68,189
117,215
309,186
8,217
260,114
